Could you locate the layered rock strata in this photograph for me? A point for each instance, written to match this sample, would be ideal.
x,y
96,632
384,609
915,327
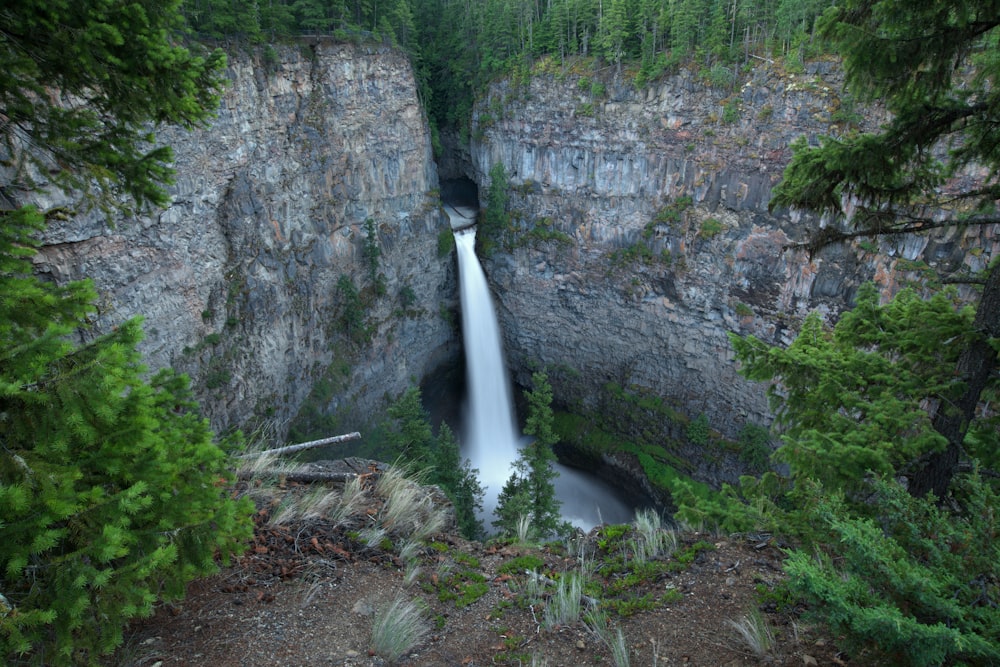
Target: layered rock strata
x,y
643,238
238,277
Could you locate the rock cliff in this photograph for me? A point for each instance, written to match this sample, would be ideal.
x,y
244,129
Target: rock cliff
x,y
642,235
238,278
641,239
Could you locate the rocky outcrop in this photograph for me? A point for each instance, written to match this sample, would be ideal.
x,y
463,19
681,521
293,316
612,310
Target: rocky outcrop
x,y
238,278
643,236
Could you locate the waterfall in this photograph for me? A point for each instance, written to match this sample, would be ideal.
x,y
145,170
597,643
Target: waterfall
x,y
491,435
491,439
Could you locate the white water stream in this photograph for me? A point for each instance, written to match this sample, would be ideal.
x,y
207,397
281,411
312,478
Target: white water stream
x,y
490,432
491,438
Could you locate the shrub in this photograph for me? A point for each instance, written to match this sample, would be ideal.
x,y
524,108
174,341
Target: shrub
x,y
918,586
698,430
446,242
112,492
731,112
710,228
721,76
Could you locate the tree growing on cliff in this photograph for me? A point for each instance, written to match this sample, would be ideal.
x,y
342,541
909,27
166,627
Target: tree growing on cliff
x,y
530,491
493,222
113,494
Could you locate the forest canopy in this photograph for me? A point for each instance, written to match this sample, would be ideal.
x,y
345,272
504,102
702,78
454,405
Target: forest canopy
x,y
457,47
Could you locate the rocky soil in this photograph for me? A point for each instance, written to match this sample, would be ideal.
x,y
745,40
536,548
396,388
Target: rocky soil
x,y
309,589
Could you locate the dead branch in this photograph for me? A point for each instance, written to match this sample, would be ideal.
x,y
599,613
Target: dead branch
x,y
289,449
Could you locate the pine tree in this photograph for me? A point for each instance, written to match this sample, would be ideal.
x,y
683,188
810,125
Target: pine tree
x,y
915,584
935,65
460,483
530,491
897,391
851,399
440,456
130,64
113,494
494,219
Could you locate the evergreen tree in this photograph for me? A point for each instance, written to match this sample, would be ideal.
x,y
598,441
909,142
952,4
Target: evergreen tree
x,y
460,483
414,440
494,219
914,584
128,62
530,491
935,64
112,492
853,400
413,437
372,251
897,391
898,578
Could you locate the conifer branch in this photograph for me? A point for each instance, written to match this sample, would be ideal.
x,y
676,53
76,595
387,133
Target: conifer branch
x,y
874,224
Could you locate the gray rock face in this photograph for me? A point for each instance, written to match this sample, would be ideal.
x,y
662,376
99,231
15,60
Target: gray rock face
x,y
645,285
237,278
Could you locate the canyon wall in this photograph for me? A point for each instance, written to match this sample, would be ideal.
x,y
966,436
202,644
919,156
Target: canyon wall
x,y
238,278
641,238
642,235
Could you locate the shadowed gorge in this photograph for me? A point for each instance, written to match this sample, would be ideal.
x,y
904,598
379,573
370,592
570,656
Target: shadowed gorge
x,y
732,268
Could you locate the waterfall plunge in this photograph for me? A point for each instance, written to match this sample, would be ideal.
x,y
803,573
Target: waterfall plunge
x,y
490,430
491,436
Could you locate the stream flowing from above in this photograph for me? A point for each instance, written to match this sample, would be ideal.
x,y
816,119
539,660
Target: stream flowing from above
x,y
491,439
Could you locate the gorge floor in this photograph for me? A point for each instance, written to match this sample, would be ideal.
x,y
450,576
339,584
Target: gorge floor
x,y
306,594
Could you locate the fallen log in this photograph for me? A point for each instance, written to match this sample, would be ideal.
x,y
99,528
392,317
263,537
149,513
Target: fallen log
x,y
290,449
301,476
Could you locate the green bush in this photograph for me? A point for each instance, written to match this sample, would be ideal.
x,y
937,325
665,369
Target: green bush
x,y
917,584
698,431
446,242
710,228
755,446
731,112
721,76
112,492
352,311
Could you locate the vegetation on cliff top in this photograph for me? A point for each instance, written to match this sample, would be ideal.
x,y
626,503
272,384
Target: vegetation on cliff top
x,y
458,47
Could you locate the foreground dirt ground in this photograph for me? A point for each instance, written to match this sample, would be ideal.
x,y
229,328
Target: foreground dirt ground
x,y
307,593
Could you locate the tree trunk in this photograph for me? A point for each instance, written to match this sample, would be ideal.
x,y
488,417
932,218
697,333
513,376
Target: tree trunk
x,y
304,445
977,362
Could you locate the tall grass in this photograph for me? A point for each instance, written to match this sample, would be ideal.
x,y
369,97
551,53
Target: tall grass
x,y
755,633
597,623
313,504
397,629
652,539
409,509
566,604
